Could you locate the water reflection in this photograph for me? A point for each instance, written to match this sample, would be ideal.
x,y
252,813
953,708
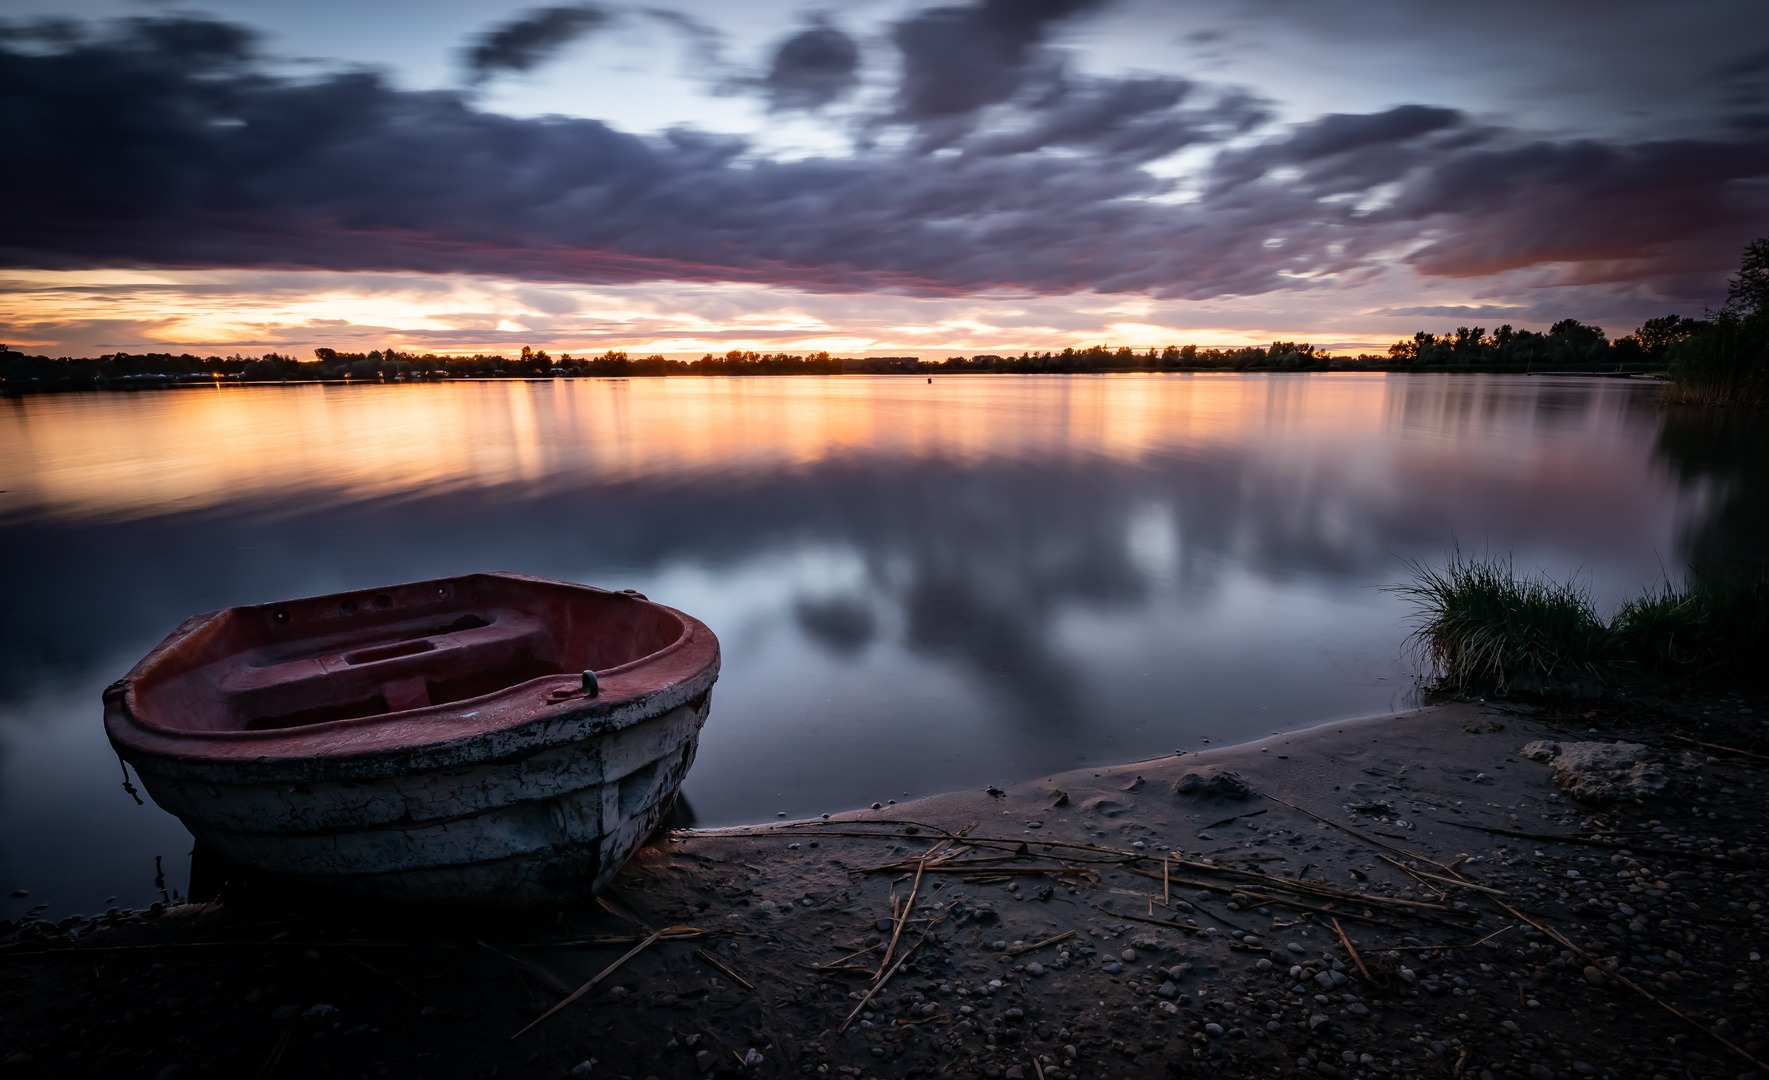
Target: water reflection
x,y
918,586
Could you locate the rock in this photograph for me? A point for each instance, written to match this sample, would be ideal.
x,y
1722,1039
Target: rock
x,y
583,1068
884,926
1599,773
1104,807
315,1012
1167,990
1128,956
1263,964
1169,1008
1295,948
284,1012
1213,1030
1035,970
1540,1072
753,1057
704,1060
1317,1021
1213,783
1324,980
1595,977
1014,1072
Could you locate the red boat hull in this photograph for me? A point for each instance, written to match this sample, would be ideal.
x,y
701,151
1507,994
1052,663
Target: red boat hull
x,y
430,742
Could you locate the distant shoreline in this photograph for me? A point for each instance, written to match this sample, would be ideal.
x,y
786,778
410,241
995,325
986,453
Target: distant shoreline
x,y
156,382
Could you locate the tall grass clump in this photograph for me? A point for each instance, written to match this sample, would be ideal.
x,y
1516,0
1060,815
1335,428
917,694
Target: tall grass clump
x,y
1706,627
1483,628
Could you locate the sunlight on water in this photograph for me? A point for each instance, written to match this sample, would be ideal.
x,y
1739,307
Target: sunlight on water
x,y
918,586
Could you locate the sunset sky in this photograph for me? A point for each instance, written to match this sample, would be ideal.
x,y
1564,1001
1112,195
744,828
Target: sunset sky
x,y
461,175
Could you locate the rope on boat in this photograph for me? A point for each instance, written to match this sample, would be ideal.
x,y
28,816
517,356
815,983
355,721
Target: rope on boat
x,y
127,786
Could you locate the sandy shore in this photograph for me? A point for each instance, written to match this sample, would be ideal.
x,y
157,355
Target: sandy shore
x,y
1065,957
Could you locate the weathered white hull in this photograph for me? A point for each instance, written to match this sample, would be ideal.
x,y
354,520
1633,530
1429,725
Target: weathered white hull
x,y
552,827
511,788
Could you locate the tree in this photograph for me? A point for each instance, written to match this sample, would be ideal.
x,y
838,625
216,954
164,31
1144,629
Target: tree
x,y
1748,293
1657,335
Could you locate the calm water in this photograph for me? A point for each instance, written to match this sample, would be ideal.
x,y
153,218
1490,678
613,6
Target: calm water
x,y
918,587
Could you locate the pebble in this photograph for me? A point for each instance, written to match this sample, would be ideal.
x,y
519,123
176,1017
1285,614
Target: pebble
x,y
1297,949
1213,1030
582,1068
1035,970
704,1060
1168,990
1113,969
1263,964
1128,956
1014,1072
284,1012
753,1058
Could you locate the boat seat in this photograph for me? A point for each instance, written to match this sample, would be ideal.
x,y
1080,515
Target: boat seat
x,y
386,676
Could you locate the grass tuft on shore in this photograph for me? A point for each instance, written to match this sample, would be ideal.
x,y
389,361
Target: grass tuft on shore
x,y
1483,628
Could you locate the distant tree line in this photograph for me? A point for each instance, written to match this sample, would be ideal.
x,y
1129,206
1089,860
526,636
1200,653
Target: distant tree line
x,y
1721,358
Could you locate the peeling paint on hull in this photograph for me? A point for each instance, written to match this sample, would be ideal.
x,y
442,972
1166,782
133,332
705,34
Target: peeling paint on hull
x,y
531,795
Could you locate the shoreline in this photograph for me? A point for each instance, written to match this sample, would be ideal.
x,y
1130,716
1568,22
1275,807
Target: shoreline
x,y
1041,943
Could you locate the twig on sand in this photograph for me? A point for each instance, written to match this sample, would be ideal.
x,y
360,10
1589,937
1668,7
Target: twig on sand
x,y
1587,841
1024,949
879,983
1352,949
1231,820
707,958
529,966
833,964
396,982
902,917
268,1069
1351,832
1491,936
1458,882
1592,961
667,933
1717,746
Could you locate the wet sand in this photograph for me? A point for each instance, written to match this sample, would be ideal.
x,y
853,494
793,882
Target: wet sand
x,y
1041,943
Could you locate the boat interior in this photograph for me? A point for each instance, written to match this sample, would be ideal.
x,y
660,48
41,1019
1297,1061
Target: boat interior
x,y
393,650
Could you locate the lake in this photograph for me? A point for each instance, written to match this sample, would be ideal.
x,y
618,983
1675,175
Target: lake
x,y
919,586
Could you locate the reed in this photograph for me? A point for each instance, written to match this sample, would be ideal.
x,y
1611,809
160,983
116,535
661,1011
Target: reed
x,y
1481,627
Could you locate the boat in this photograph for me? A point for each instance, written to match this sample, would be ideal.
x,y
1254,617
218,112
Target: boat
x,y
492,739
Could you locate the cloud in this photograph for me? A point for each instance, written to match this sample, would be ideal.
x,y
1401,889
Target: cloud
x,y
524,42
165,142
957,60
812,68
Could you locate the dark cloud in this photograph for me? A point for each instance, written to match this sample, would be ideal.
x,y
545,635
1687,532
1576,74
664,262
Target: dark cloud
x,y
957,60
165,143
1618,212
1136,119
812,68
522,43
